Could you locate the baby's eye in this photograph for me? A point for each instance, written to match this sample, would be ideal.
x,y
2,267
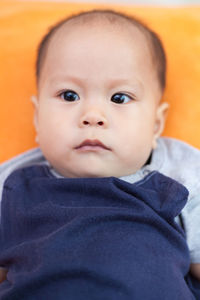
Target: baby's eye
x,y
121,98
69,96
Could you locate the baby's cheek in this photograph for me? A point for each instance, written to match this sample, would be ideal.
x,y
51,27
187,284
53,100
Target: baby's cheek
x,y
136,156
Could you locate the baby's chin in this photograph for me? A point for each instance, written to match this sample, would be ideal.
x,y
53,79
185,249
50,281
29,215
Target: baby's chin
x,y
94,173
85,174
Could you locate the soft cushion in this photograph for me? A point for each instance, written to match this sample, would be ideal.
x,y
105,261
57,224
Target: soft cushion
x,y
22,25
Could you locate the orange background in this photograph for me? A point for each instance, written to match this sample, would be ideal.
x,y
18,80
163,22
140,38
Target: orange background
x,y
22,24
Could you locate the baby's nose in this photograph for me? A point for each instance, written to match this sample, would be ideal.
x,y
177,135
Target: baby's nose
x,y
93,118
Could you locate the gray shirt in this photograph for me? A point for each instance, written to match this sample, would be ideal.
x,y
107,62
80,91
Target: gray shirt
x,y
172,158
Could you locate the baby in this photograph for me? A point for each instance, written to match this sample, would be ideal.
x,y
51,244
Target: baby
x,y
98,116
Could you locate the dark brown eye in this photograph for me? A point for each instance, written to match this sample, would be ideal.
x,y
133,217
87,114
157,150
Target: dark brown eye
x,y
121,98
69,95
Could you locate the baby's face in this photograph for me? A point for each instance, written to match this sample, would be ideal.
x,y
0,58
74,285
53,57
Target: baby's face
x,y
97,112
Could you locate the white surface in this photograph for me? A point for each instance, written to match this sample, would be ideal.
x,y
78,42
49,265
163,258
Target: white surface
x,y
146,2
137,2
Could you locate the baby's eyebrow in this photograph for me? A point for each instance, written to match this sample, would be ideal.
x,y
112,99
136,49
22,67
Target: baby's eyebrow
x,y
111,83
63,78
125,81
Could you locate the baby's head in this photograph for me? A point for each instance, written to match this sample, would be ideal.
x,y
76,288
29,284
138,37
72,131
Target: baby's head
x,y
100,77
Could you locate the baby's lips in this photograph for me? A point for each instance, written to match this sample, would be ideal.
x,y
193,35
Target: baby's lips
x,y
89,142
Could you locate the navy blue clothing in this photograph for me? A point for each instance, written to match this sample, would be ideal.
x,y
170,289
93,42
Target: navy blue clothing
x,y
92,238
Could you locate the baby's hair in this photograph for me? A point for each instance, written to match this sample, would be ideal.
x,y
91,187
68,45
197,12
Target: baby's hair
x,y
111,17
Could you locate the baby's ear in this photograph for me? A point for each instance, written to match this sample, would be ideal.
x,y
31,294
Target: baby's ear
x,y
161,115
34,100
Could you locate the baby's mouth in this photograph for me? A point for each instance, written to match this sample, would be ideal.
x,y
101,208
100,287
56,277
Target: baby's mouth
x,y
92,145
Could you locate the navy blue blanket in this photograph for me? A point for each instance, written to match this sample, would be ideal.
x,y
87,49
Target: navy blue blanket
x,y
92,238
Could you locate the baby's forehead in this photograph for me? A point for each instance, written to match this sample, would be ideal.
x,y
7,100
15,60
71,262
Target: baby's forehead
x,y
100,32
112,51
120,27
137,35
